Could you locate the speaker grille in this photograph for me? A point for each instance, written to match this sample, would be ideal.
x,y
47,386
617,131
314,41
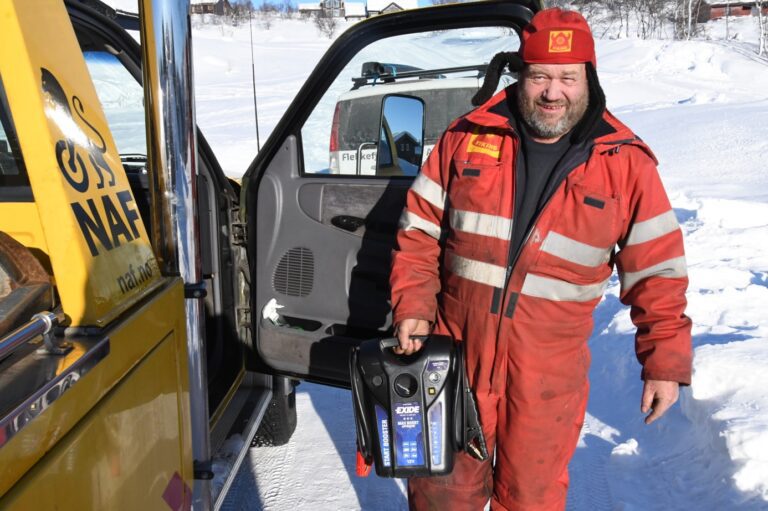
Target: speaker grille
x,y
295,272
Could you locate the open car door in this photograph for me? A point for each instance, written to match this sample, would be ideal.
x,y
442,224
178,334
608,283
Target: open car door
x,y
320,231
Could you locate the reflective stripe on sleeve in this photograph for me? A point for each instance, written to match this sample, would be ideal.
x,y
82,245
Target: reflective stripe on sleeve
x,y
482,224
410,221
652,228
561,291
575,251
477,271
429,190
671,268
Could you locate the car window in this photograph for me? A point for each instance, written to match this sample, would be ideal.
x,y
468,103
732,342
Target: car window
x,y
122,100
341,134
14,182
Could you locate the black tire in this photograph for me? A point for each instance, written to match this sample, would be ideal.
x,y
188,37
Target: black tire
x,y
279,420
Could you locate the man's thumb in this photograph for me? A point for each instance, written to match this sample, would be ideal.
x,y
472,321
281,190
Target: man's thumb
x,y
647,400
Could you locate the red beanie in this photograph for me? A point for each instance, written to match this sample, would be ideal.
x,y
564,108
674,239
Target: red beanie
x,y
555,36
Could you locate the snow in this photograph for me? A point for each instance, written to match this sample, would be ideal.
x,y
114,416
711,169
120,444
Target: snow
x,y
702,106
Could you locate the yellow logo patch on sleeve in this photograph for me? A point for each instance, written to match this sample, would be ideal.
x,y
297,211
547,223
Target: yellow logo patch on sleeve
x,y
560,41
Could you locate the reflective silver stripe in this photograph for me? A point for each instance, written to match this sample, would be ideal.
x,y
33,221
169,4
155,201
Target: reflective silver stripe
x,y
410,221
575,251
652,228
480,223
429,190
477,271
559,290
671,268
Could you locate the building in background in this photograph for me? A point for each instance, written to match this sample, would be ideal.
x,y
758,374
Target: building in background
x,y
310,9
722,9
355,10
385,6
219,7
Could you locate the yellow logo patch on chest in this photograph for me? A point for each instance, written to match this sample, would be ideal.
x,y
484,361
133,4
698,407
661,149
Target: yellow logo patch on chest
x,y
485,143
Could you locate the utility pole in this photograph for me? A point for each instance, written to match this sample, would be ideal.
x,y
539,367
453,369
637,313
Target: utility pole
x,y
253,77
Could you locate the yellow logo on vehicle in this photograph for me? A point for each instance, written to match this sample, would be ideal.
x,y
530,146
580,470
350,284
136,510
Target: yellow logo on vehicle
x,y
560,41
485,143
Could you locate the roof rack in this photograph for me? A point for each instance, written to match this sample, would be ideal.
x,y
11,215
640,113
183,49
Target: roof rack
x,y
374,72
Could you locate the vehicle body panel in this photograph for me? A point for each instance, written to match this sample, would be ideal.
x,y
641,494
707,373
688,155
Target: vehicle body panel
x,y
125,422
22,221
97,245
104,420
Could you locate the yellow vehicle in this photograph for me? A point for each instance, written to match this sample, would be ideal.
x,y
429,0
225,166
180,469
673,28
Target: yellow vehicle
x,y
137,283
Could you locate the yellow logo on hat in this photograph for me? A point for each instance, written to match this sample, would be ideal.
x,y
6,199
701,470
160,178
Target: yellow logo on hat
x,y
560,41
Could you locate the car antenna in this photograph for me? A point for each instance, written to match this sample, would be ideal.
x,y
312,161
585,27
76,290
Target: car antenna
x,y
253,77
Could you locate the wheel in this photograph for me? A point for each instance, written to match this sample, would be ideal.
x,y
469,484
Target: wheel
x,y
279,421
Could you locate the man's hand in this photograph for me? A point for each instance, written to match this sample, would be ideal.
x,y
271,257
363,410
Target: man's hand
x,y
659,396
405,329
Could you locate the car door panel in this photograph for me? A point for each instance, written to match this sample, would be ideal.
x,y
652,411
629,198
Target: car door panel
x,y
332,284
320,244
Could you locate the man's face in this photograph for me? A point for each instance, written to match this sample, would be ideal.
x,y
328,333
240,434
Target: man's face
x,y
552,99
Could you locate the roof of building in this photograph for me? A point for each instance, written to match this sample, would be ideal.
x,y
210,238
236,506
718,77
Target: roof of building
x,y
380,5
354,9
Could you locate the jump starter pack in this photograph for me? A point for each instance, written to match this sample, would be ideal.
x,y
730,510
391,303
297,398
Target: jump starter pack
x,y
413,412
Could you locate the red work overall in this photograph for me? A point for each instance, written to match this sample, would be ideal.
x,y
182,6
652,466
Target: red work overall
x,y
525,317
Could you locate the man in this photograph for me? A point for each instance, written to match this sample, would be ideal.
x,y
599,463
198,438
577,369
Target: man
x,y
507,243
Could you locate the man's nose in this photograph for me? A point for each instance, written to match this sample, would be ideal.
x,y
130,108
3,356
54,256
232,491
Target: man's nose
x,y
554,91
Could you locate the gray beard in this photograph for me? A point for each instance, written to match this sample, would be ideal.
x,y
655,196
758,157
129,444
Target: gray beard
x,y
539,126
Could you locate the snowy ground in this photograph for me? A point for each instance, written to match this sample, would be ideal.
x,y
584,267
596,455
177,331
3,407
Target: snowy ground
x,y
703,107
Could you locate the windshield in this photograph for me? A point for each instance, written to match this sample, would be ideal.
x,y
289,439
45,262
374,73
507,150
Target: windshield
x,y
121,98
443,68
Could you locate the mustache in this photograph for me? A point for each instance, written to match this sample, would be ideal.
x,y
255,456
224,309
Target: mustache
x,y
544,102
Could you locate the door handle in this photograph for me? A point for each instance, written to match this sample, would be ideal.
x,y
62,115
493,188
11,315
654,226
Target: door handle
x,y
348,223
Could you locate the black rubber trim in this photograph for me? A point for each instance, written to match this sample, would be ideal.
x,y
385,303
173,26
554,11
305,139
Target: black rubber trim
x,y
496,300
595,203
511,305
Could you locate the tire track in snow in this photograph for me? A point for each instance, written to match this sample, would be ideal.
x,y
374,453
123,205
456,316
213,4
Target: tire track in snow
x,y
275,495
588,490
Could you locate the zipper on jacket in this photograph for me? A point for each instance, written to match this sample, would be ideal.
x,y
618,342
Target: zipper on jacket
x,y
567,165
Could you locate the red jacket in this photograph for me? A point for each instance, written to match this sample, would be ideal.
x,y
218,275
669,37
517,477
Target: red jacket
x,y
609,206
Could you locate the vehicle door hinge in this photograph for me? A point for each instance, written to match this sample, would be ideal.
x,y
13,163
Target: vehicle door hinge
x,y
238,232
244,317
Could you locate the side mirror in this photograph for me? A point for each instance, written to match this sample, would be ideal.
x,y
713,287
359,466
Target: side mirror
x,y
401,136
